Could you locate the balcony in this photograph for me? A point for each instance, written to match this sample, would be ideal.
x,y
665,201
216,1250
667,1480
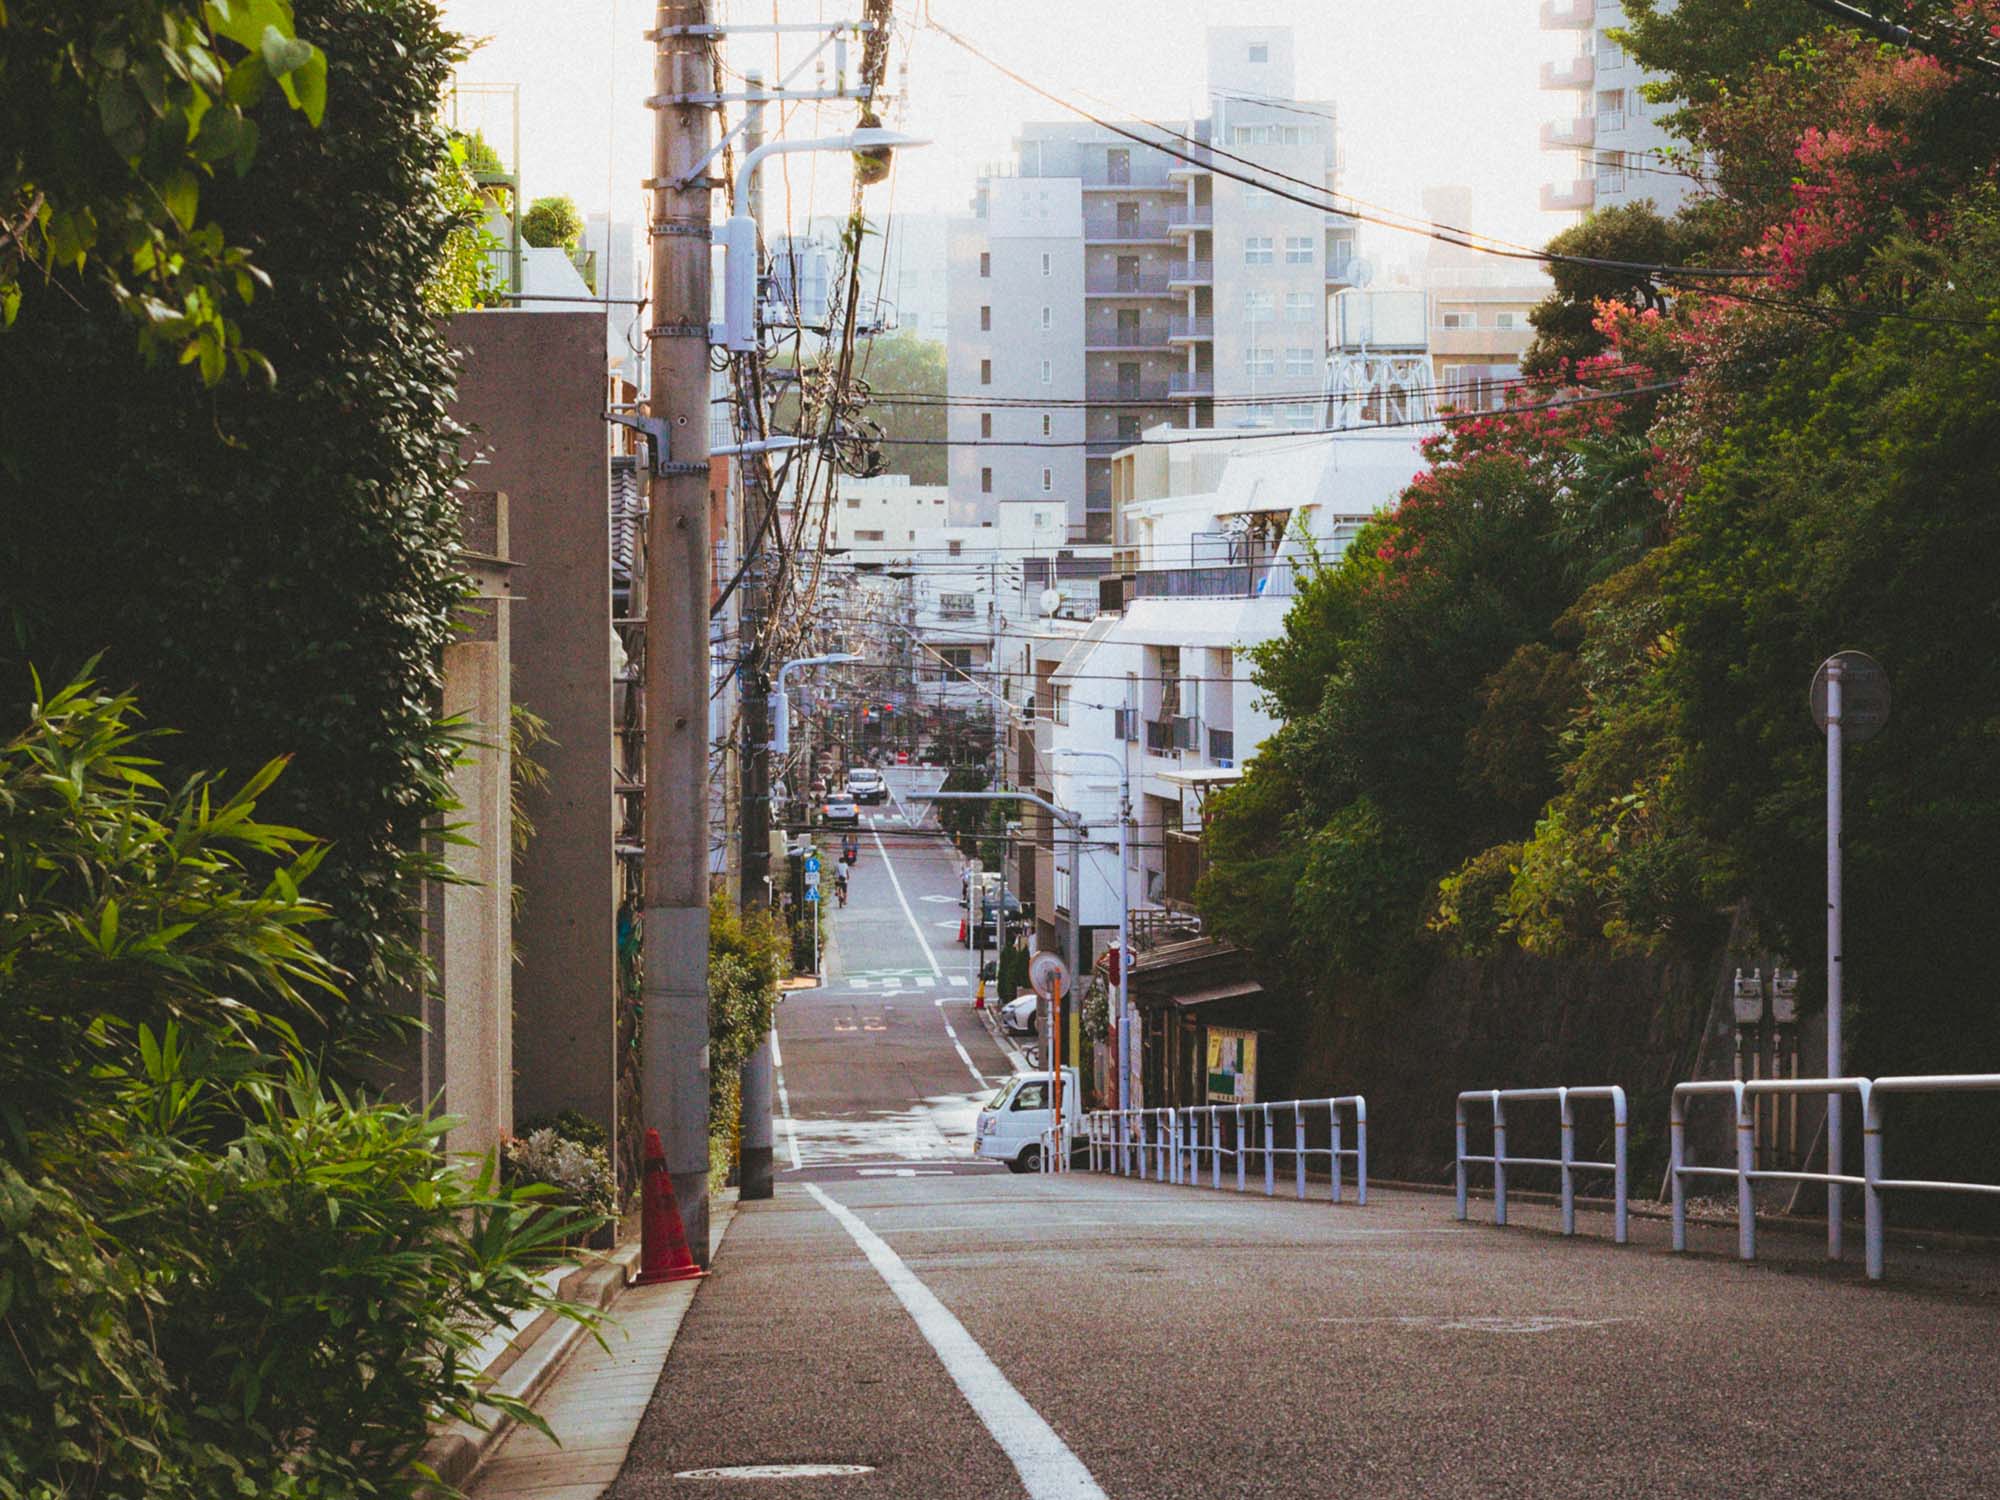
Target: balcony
x,y
1182,866
1222,746
1103,230
1610,121
1191,383
1221,581
1188,330
1200,216
1340,270
1558,135
1102,179
1578,73
1192,273
1201,160
1125,284
1560,198
1569,15
1130,391
1106,337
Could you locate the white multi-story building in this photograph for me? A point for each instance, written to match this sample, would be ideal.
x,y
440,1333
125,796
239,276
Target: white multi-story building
x,y
902,273
1611,139
1102,285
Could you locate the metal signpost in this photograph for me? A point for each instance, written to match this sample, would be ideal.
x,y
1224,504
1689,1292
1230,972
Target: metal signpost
x,y
1850,701
812,900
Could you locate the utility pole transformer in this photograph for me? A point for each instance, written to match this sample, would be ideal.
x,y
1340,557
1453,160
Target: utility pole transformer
x,y
674,1029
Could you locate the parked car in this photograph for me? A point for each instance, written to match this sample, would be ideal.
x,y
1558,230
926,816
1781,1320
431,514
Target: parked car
x,y
1011,1124
866,784
984,933
840,811
1017,1016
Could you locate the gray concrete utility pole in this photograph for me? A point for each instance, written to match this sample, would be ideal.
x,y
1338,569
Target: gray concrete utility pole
x,y
674,1031
754,811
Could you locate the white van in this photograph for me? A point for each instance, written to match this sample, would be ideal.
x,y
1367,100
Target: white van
x,y
1011,1125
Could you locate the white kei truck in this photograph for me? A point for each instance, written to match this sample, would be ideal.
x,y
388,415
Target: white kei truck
x,y
1012,1122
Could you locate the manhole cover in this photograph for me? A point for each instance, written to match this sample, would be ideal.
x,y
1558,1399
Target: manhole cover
x,y
778,1471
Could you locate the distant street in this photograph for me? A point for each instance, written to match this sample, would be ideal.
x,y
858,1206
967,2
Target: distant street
x,y
963,1332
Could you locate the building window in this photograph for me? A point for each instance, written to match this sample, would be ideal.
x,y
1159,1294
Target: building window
x,y
1611,172
854,505
1256,197
1253,135
955,606
1257,306
985,320
985,484
1257,250
1301,414
1048,264
1609,53
1048,425
986,372
953,548
1458,320
1299,361
1506,320
1260,52
986,424
1298,250
1048,373
1298,307
985,263
1259,359
1117,165
1128,429
867,536
1048,317
1048,480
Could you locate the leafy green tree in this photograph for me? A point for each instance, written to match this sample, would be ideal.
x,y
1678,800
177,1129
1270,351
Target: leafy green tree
x,y
913,432
115,119
1566,321
275,566
552,224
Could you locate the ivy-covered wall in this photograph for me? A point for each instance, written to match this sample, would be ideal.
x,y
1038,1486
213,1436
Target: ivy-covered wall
x,y
271,563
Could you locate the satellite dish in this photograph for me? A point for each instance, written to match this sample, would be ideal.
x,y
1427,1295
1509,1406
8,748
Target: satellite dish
x,y
1044,970
1362,271
1051,600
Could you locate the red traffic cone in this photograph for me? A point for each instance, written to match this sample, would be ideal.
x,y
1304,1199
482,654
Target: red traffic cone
x,y
961,929
663,1241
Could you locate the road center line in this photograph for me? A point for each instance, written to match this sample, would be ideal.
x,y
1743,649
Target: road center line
x,y
910,916
1048,1469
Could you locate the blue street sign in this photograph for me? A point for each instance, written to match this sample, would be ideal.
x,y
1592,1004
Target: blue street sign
x,y
812,893
812,864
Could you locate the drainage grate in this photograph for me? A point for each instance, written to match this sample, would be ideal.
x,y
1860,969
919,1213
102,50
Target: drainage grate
x,y
778,1471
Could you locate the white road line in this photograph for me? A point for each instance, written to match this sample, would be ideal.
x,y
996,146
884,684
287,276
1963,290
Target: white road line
x,y
785,1097
1048,1469
964,1056
910,916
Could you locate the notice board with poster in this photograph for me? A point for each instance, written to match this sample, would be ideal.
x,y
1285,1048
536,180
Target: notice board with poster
x,y
1232,1066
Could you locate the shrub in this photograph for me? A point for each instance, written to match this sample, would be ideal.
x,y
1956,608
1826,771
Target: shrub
x,y
578,1175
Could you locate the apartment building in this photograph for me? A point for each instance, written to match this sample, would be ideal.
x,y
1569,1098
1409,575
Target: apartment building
x,y
877,519
1103,285
1608,140
1477,311
902,275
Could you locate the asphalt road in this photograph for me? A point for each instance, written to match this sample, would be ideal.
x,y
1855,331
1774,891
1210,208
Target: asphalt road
x,y
976,1334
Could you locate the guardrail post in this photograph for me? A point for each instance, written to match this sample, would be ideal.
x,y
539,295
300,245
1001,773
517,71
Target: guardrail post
x,y
1174,1145
1360,1150
1270,1157
1568,1121
1299,1146
1215,1145
1676,1159
1460,1135
1871,1175
1499,1159
1240,1165
1619,1203
1746,1163
1333,1140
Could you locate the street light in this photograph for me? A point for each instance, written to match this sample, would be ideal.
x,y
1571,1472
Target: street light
x,y
738,234
781,703
1127,1063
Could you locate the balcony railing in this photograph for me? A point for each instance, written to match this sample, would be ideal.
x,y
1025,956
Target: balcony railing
x,y
1558,197
1106,177
1191,328
1125,390
1195,216
1126,284
1222,581
1577,73
1609,121
1222,745
1562,134
1191,383
1107,336
1104,230
1192,273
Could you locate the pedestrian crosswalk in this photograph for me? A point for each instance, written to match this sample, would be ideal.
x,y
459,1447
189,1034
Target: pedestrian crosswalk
x,y
895,981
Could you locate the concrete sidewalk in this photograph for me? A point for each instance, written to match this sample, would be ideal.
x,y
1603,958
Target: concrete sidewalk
x,y
596,1400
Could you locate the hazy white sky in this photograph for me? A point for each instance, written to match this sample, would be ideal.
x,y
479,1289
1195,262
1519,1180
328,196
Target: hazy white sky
x,y
1428,91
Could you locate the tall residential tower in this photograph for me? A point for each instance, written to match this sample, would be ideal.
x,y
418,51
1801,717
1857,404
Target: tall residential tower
x,y
1103,285
1611,138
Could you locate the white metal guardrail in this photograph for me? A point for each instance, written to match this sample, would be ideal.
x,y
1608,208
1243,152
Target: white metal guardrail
x,y
1565,1101
1186,1144
1871,1092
